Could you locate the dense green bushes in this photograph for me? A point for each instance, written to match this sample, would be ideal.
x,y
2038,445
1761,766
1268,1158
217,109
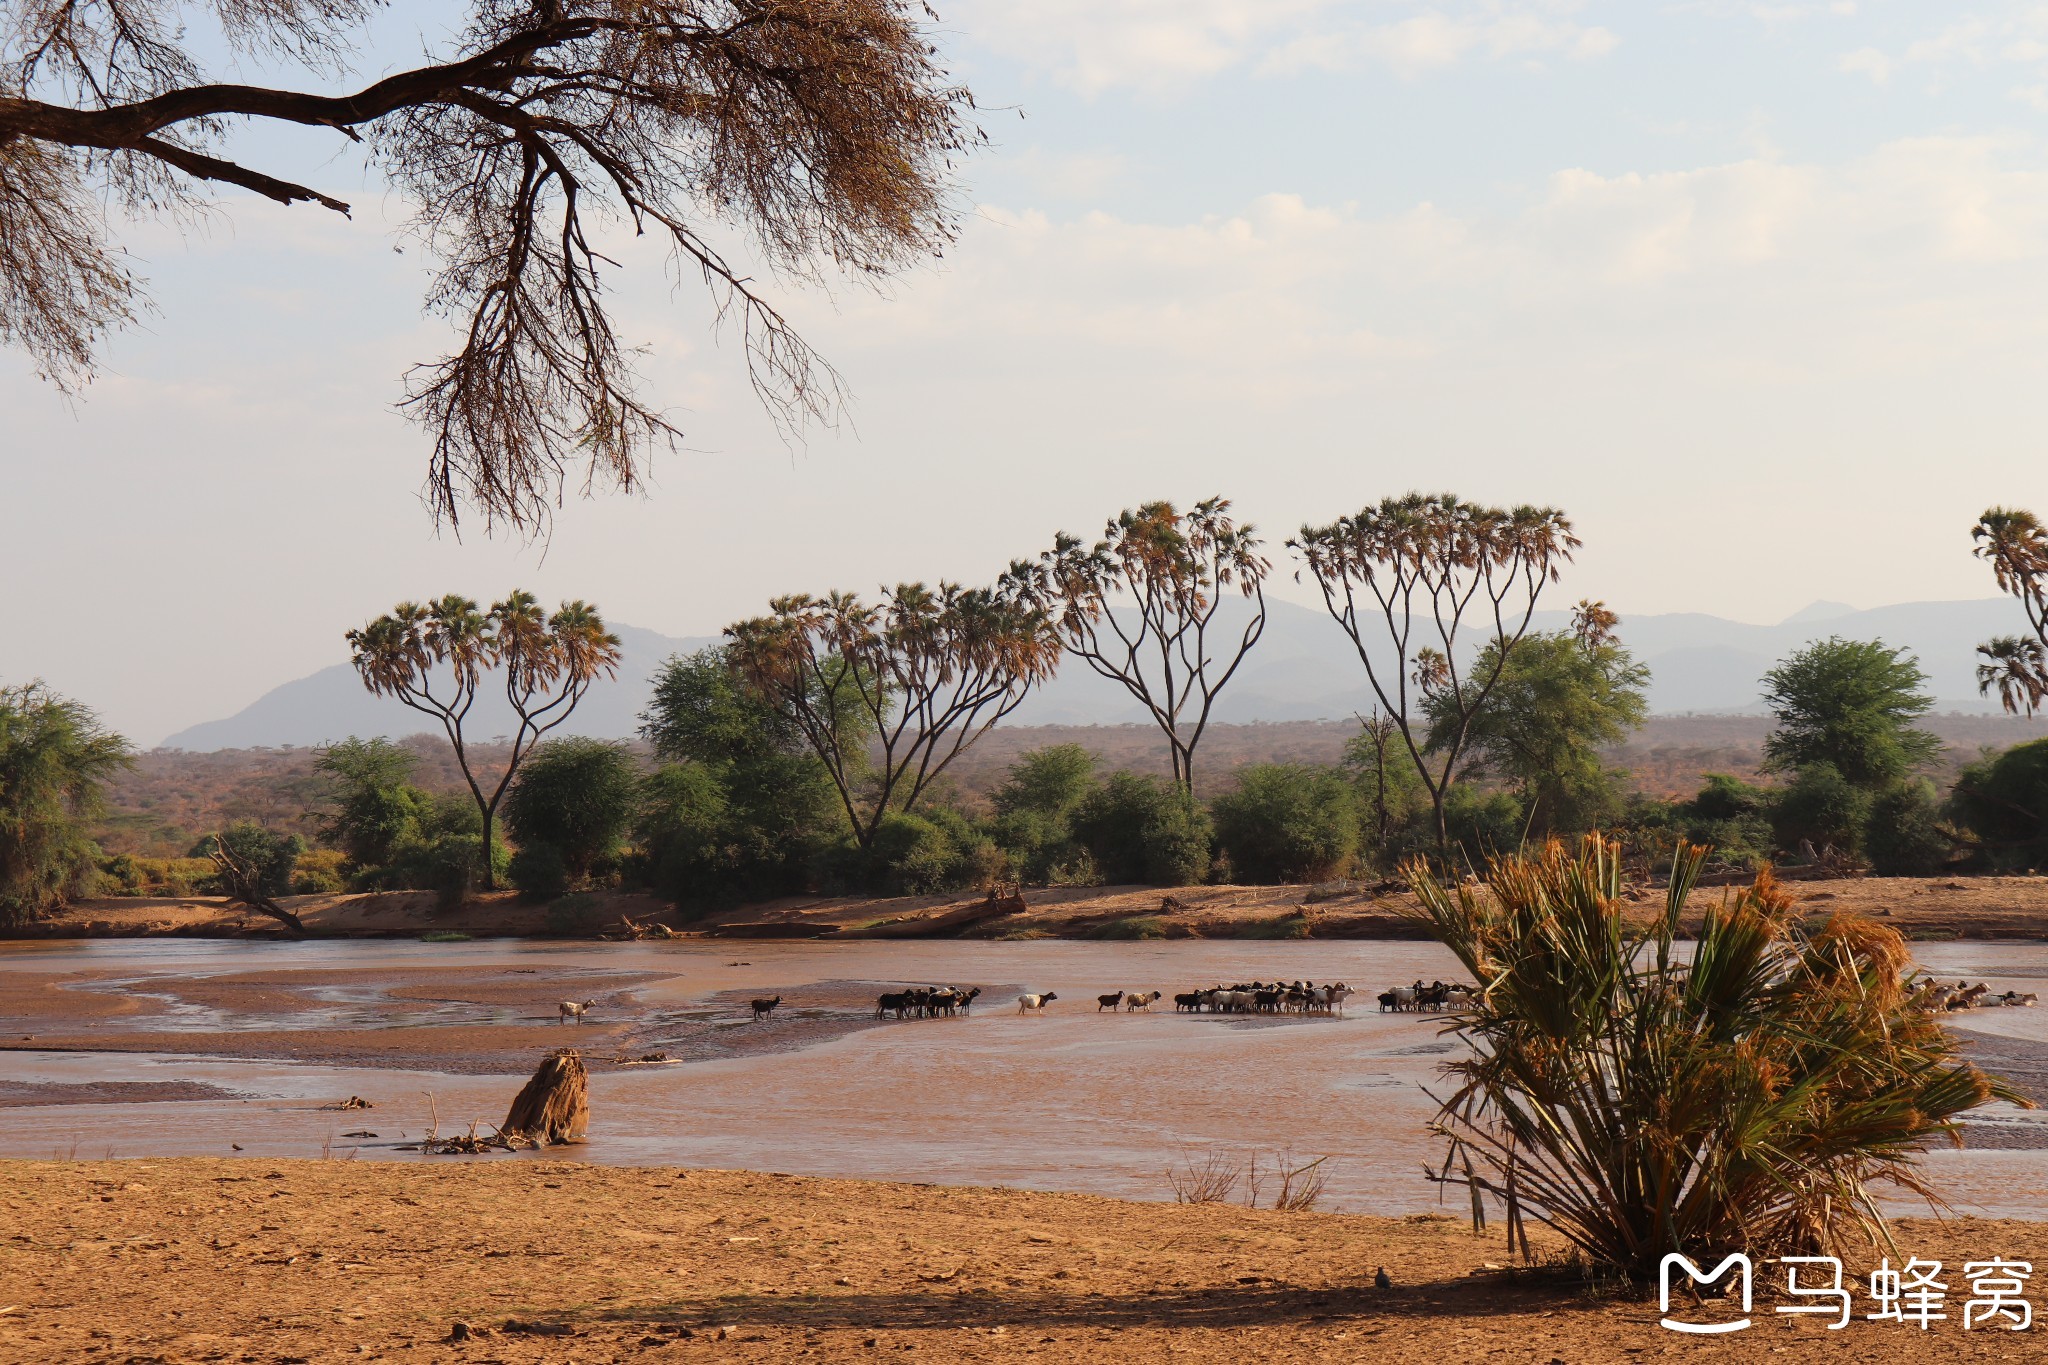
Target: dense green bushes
x,y
273,856
1034,815
128,875
396,836
2002,800
569,811
55,757
1289,822
738,809
1142,829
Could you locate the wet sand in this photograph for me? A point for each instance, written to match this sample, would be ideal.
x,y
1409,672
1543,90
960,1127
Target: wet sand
x,y
546,1262
44,1094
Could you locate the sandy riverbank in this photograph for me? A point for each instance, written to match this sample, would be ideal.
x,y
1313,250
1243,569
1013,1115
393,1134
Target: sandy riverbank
x,y
312,1262
1924,909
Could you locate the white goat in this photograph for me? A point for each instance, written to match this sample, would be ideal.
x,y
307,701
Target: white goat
x,y
1035,1004
570,1009
1139,1002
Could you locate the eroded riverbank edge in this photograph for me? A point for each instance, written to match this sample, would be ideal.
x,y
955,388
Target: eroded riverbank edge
x,y
1922,909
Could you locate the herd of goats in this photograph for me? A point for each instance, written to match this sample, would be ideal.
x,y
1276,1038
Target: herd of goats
x,y
1306,997
1248,997
1276,997
1963,996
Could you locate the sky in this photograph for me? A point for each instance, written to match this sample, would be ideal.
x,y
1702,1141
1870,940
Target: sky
x,y
1757,293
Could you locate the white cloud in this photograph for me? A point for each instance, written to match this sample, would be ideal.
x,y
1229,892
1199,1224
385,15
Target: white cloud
x,y
1434,40
1069,175
2015,35
1161,45
1770,15
1288,297
1096,45
1867,61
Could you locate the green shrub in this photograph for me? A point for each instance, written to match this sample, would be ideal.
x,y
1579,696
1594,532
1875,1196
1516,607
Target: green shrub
x,y
578,798
1051,782
320,872
128,875
1903,834
741,809
55,758
375,805
1140,829
1728,815
272,854
1822,808
1727,798
679,832
443,854
914,856
539,873
1288,822
2003,800
1034,809
1483,824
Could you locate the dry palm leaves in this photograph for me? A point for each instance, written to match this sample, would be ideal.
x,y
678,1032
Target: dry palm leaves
x,y
1641,1101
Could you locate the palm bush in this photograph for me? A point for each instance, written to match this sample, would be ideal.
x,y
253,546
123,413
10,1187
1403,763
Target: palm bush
x,y
1743,1098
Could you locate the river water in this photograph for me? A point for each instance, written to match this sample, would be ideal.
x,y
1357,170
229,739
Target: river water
x,y
1071,1100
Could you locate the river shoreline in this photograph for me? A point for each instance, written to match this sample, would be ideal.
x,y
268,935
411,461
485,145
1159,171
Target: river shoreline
x,y
1921,909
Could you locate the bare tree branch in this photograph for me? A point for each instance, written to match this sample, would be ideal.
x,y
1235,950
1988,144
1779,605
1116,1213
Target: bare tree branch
x,y
824,131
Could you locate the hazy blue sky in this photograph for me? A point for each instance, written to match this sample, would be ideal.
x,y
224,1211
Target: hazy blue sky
x,y
1757,292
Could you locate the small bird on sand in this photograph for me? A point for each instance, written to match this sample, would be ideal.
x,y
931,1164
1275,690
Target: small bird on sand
x,y
1380,1280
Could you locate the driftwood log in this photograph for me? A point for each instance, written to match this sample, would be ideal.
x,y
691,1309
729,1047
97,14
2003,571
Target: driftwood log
x,y
555,1105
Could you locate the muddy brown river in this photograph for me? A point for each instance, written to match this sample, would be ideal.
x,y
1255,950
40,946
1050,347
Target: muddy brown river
x,y
217,1034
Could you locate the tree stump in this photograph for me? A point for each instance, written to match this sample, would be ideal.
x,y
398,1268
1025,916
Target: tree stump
x,y
555,1105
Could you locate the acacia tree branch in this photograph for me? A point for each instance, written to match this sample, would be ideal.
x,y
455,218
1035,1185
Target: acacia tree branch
x,y
824,130
202,167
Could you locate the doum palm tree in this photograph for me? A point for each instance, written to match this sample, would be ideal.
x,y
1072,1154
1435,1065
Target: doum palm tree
x,y
435,657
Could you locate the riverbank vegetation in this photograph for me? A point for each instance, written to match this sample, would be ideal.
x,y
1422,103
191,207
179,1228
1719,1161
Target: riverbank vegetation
x,y
828,746
1747,1096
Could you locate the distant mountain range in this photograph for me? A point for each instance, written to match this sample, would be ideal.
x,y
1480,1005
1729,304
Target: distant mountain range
x,y
1304,668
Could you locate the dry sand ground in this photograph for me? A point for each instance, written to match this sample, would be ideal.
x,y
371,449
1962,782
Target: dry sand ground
x,y
1921,908
281,1263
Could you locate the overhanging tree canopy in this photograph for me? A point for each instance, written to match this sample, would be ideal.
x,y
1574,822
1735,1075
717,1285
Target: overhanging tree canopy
x,y
821,129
